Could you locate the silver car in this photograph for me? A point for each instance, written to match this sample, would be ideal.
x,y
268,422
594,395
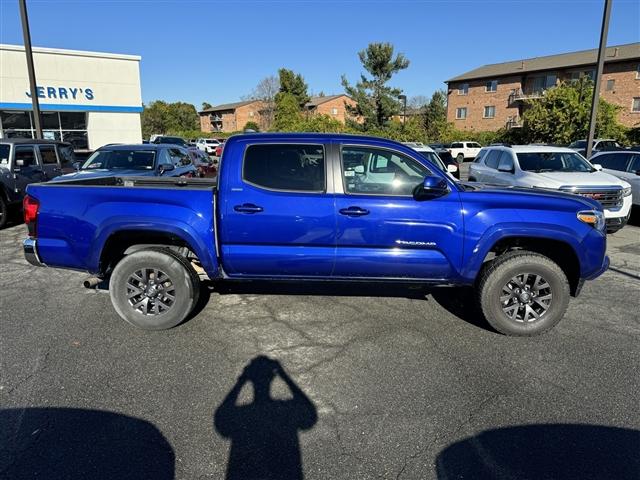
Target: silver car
x,y
624,165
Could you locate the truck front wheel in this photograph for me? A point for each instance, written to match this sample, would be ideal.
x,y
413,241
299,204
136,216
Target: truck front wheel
x,y
154,289
523,293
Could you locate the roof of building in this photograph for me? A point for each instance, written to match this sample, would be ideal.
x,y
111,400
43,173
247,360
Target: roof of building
x,y
74,53
629,51
319,100
228,106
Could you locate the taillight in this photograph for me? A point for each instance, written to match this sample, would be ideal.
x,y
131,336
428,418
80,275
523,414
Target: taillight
x,y
30,208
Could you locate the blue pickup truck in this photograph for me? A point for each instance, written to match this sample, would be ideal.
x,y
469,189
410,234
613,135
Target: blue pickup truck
x,y
310,207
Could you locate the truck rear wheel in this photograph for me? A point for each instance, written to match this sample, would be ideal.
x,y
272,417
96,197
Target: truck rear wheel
x,y
460,158
154,289
523,293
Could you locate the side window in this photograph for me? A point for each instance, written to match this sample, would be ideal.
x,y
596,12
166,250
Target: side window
x,y
506,162
634,165
288,167
491,159
5,150
48,154
179,157
613,161
27,155
376,171
456,145
67,156
164,158
480,156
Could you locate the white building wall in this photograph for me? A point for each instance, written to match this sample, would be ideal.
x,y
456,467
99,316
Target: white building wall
x,y
104,128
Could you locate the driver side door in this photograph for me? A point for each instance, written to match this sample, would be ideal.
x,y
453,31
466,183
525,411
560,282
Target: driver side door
x,y
382,231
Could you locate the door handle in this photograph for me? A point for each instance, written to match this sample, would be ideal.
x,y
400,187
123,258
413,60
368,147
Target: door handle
x,y
248,208
354,211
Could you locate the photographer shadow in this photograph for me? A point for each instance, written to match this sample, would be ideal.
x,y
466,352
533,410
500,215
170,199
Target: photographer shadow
x,y
264,433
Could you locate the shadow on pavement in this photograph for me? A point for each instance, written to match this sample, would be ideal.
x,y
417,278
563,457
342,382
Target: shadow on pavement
x,y
459,301
264,433
70,444
534,452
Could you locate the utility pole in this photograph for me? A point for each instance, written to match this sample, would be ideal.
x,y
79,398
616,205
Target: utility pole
x,y
32,73
596,88
404,109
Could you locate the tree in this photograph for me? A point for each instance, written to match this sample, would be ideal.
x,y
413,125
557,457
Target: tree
x,y
163,117
266,92
376,102
562,115
206,105
287,113
435,116
417,102
252,126
293,84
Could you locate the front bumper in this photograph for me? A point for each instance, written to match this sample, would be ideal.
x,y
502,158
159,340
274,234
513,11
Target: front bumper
x,y
616,223
31,252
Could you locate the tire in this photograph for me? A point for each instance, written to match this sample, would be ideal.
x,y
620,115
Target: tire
x,y
158,311
4,211
494,296
460,158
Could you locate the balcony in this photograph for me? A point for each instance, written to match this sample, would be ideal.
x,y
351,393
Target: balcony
x,y
215,118
513,122
520,96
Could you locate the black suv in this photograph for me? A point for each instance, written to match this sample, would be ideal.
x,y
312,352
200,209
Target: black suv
x,y
24,161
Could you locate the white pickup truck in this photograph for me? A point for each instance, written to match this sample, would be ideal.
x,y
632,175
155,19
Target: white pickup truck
x,y
462,151
555,168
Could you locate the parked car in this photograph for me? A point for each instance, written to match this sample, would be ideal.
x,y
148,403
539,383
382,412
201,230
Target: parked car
x,y
207,145
624,165
24,161
599,144
219,149
319,207
135,160
427,152
452,165
462,151
172,140
207,167
556,168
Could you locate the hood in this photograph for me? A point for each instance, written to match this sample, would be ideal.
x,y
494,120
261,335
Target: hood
x,y
584,202
100,173
582,179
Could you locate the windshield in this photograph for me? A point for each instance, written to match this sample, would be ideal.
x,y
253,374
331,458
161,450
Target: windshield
x,y
121,159
211,141
540,162
431,156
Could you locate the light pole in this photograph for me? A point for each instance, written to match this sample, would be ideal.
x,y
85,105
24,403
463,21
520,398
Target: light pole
x,y
404,109
596,87
32,73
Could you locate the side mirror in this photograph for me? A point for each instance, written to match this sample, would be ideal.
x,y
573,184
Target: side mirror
x,y
597,166
431,187
452,168
76,165
359,169
19,162
166,167
637,172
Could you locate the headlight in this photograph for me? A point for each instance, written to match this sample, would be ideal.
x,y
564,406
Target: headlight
x,y
594,218
626,191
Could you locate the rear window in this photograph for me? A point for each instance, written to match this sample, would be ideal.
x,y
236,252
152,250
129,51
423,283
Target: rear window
x,y
285,167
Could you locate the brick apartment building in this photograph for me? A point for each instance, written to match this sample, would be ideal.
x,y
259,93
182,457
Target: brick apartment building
x,y
494,96
232,117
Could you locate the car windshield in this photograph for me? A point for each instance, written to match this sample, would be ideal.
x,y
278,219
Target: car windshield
x,y
121,159
431,156
540,162
211,141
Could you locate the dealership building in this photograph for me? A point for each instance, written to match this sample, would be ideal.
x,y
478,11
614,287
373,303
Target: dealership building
x,y
88,99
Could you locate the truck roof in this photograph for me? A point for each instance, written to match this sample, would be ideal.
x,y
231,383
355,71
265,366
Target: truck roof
x,y
138,146
320,137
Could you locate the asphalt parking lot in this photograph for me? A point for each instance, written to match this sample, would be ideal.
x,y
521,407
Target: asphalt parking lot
x,y
366,382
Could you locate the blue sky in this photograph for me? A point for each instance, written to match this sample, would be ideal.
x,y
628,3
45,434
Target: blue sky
x,y
217,51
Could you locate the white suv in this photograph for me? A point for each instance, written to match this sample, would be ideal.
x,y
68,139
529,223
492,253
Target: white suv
x,y
207,145
554,168
462,151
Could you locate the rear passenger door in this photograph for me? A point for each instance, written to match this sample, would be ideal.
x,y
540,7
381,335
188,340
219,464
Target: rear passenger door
x,y
277,219
30,171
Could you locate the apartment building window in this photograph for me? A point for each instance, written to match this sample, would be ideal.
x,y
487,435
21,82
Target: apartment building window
x,y
463,89
638,72
635,107
334,111
491,86
489,111
461,113
611,85
251,113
